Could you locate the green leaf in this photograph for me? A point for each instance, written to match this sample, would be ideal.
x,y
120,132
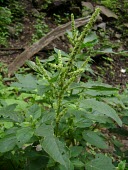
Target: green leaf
x,y
106,50
34,111
7,143
24,134
75,150
82,122
20,103
27,82
94,139
51,145
42,89
44,130
8,125
62,52
101,162
77,163
9,111
91,37
48,116
125,120
102,108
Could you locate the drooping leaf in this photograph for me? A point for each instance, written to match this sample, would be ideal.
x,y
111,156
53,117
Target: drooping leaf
x,y
94,139
51,145
102,108
100,162
7,143
24,134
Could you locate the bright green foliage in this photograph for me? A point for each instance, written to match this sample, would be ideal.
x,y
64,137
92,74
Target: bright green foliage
x,y
99,162
41,28
60,127
5,20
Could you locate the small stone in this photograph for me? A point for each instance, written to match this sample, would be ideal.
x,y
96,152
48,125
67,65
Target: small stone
x,y
102,25
88,5
123,70
118,35
126,25
107,12
38,148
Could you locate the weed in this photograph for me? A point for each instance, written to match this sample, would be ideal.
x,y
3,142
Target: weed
x,y
56,120
41,28
5,20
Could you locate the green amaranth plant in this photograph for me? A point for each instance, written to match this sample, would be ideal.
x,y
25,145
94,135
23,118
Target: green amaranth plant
x,y
60,128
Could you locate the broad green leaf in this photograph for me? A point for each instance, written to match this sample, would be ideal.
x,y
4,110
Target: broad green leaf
x,y
100,118
75,150
8,125
101,162
45,131
7,143
114,101
48,116
21,104
95,88
27,82
98,92
102,108
94,139
34,111
24,135
50,144
90,84
82,122
91,37
51,147
9,112
42,89
12,130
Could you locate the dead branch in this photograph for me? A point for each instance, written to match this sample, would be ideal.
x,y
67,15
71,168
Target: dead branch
x,y
12,49
32,50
